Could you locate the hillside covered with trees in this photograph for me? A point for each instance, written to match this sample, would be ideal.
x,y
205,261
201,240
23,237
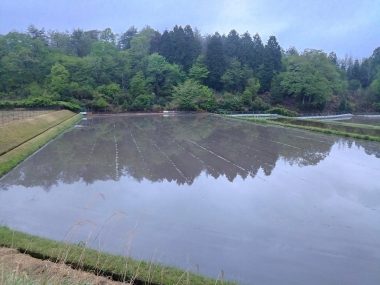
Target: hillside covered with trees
x,y
179,69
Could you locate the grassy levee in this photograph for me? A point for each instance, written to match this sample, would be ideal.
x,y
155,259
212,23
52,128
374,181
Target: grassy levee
x,y
356,131
360,129
16,133
117,267
13,157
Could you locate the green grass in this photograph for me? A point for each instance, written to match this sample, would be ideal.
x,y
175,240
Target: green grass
x,y
16,133
13,157
352,130
344,127
118,267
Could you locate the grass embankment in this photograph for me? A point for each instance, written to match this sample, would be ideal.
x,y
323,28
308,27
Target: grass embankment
x,y
117,267
16,133
22,138
357,131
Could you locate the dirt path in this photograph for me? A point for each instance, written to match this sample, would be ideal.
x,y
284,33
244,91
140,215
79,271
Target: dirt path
x,y
46,272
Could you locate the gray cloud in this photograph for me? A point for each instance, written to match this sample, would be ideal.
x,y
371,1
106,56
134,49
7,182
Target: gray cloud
x,y
347,27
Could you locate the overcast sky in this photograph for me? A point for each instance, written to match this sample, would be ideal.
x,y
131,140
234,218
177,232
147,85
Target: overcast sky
x,y
348,27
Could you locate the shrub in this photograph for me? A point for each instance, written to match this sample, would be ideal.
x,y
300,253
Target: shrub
x,y
142,102
376,106
282,111
259,105
230,102
193,96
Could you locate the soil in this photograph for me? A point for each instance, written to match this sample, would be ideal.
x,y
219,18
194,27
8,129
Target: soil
x,y
46,271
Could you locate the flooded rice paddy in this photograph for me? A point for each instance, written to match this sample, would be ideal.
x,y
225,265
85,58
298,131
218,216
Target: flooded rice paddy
x,y
263,204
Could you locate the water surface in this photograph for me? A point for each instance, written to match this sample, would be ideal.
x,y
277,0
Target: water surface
x,y
267,205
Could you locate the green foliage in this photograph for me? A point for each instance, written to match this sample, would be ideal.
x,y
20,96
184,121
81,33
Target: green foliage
x,y
140,44
59,79
110,91
250,92
100,103
138,86
192,96
100,69
345,106
215,61
161,75
376,107
259,105
143,102
271,63
311,79
180,45
353,84
236,76
199,71
375,87
39,102
282,111
69,106
230,102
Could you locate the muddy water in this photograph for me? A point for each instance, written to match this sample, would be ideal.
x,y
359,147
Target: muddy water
x,y
265,205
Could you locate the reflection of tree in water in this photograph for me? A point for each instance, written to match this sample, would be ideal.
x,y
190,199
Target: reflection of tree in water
x,y
370,148
175,148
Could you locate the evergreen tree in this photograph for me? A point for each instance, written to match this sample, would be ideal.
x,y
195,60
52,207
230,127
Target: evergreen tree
x,y
215,61
180,46
193,49
365,73
125,39
37,34
232,45
272,63
247,51
333,58
258,53
155,42
81,42
165,45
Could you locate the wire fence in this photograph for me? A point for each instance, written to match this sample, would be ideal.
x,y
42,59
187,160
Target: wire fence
x,y
7,116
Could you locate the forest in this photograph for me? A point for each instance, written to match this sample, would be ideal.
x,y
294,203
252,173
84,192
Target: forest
x,y
180,69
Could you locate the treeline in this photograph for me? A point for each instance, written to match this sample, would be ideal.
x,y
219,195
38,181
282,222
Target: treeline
x,y
179,69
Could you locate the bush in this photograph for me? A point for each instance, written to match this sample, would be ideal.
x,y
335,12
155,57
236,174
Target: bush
x,y
193,96
345,106
376,106
259,105
230,102
282,111
69,106
142,103
99,103
39,102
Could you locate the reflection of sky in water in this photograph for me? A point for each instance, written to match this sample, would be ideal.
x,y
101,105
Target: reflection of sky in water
x,y
307,213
